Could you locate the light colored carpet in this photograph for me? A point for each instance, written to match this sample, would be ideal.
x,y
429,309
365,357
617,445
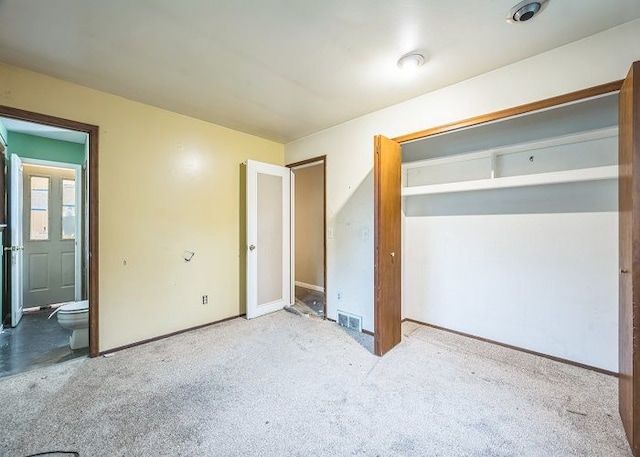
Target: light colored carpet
x,y
284,385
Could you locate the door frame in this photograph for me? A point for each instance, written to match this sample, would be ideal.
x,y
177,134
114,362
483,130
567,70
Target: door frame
x,y
93,261
78,199
318,159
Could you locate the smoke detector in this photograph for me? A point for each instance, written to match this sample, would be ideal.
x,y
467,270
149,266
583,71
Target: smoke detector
x,y
411,61
526,10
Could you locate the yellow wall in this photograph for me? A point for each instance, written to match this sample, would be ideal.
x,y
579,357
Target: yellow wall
x,y
168,184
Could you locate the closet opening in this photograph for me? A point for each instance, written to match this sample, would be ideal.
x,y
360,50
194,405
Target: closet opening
x,y
308,236
513,228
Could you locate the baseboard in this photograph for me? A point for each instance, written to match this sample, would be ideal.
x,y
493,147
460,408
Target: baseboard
x,y
309,286
161,337
516,348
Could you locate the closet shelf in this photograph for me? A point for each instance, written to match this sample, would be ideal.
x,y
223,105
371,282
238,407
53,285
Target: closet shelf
x,y
538,179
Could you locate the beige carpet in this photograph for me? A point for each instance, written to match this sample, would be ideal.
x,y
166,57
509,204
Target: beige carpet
x,y
284,385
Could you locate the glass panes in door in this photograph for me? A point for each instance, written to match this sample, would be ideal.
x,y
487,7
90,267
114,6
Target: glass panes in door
x,y
68,209
39,209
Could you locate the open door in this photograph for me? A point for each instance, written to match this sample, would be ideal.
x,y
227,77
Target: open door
x,y
387,256
16,202
629,248
268,238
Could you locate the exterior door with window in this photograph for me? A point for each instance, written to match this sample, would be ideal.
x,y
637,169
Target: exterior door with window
x,y
49,224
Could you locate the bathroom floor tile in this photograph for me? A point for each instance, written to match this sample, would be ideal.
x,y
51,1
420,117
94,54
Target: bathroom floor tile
x,y
36,341
313,299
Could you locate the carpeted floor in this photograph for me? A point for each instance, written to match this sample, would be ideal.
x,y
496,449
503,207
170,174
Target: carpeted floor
x,y
284,385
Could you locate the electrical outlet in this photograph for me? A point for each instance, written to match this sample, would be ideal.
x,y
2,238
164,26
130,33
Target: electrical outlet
x,y
339,295
205,299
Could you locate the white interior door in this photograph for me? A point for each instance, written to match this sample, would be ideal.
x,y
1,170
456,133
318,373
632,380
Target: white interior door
x,y
268,238
16,203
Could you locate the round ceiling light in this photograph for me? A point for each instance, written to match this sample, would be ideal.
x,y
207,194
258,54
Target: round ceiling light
x,y
525,10
411,61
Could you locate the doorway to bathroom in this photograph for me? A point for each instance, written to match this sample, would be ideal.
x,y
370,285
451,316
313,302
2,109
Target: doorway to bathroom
x,y
309,241
46,262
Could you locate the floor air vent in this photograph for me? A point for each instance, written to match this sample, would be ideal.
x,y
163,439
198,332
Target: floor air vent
x,y
350,321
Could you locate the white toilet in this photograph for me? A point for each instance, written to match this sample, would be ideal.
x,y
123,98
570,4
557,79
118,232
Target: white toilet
x,y
74,316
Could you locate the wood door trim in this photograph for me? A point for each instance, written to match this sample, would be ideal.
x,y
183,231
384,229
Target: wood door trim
x,y
307,161
322,159
93,132
509,112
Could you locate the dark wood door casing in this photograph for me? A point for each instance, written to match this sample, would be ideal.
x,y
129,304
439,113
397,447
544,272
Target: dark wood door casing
x,y
92,131
387,255
629,251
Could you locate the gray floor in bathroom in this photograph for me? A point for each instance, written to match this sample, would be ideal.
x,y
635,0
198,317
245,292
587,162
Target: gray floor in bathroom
x,y
285,385
312,299
35,342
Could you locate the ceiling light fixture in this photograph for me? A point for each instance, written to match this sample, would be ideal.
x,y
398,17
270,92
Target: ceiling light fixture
x,y
411,61
525,10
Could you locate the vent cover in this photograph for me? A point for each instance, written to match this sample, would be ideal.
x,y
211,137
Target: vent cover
x,y
350,321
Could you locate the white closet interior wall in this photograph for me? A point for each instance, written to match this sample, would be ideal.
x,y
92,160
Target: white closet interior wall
x,y
533,266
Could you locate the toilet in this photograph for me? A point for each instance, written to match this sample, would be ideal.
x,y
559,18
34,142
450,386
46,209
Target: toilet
x,y
74,316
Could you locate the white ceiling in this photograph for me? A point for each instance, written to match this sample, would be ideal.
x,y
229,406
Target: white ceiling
x,y
283,69
45,131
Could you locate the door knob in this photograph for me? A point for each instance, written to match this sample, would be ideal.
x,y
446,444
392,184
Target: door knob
x,y
252,247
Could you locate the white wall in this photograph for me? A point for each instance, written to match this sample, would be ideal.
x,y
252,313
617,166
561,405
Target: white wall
x,y
534,267
596,60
